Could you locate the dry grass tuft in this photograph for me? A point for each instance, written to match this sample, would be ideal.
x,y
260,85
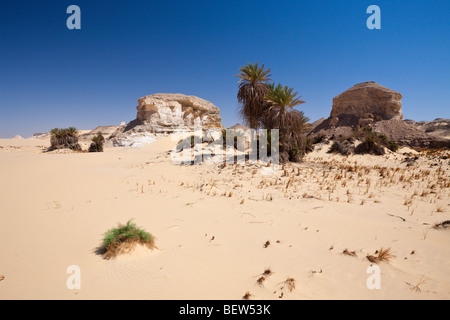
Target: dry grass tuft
x,y
350,254
384,255
442,226
247,296
267,272
261,281
290,284
440,209
416,288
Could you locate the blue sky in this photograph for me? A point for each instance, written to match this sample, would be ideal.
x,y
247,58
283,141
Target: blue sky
x,y
54,77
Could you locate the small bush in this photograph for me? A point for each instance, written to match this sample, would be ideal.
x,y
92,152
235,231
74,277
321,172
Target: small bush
x,y
124,238
370,148
97,143
298,150
383,138
344,148
393,146
373,143
319,138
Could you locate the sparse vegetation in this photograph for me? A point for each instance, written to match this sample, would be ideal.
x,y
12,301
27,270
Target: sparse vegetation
x,y
382,255
440,209
247,296
416,287
124,238
374,143
268,272
442,226
393,146
345,147
370,147
261,281
346,252
290,284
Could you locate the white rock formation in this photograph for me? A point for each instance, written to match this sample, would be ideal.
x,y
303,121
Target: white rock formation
x,y
163,112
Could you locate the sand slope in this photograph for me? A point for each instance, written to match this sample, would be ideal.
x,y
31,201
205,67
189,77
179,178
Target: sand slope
x,y
55,207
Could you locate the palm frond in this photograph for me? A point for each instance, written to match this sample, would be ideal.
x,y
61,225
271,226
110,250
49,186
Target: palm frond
x,y
253,86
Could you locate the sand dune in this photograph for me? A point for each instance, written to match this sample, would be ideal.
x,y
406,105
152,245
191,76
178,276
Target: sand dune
x,y
211,225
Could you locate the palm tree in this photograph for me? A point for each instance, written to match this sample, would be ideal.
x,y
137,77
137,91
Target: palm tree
x,y
283,100
297,121
253,87
71,132
97,143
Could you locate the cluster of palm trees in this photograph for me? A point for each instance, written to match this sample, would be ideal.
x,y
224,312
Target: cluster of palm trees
x,y
68,139
265,105
64,138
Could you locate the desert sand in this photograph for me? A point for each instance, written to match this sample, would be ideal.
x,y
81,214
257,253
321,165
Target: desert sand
x,y
218,228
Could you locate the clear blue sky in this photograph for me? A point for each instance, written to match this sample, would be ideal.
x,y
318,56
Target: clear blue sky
x,y
54,77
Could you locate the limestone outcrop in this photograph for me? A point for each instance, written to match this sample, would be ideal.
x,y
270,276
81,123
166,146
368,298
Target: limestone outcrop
x,y
369,104
366,103
166,113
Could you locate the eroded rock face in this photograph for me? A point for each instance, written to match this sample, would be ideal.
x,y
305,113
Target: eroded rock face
x,y
106,131
366,103
438,127
409,135
164,112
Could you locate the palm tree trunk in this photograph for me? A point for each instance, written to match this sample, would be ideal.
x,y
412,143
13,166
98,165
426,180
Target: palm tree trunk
x,y
281,130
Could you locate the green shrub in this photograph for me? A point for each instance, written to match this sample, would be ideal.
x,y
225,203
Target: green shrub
x,y
393,146
124,238
344,148
298,150
97,143
373,143
370,147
